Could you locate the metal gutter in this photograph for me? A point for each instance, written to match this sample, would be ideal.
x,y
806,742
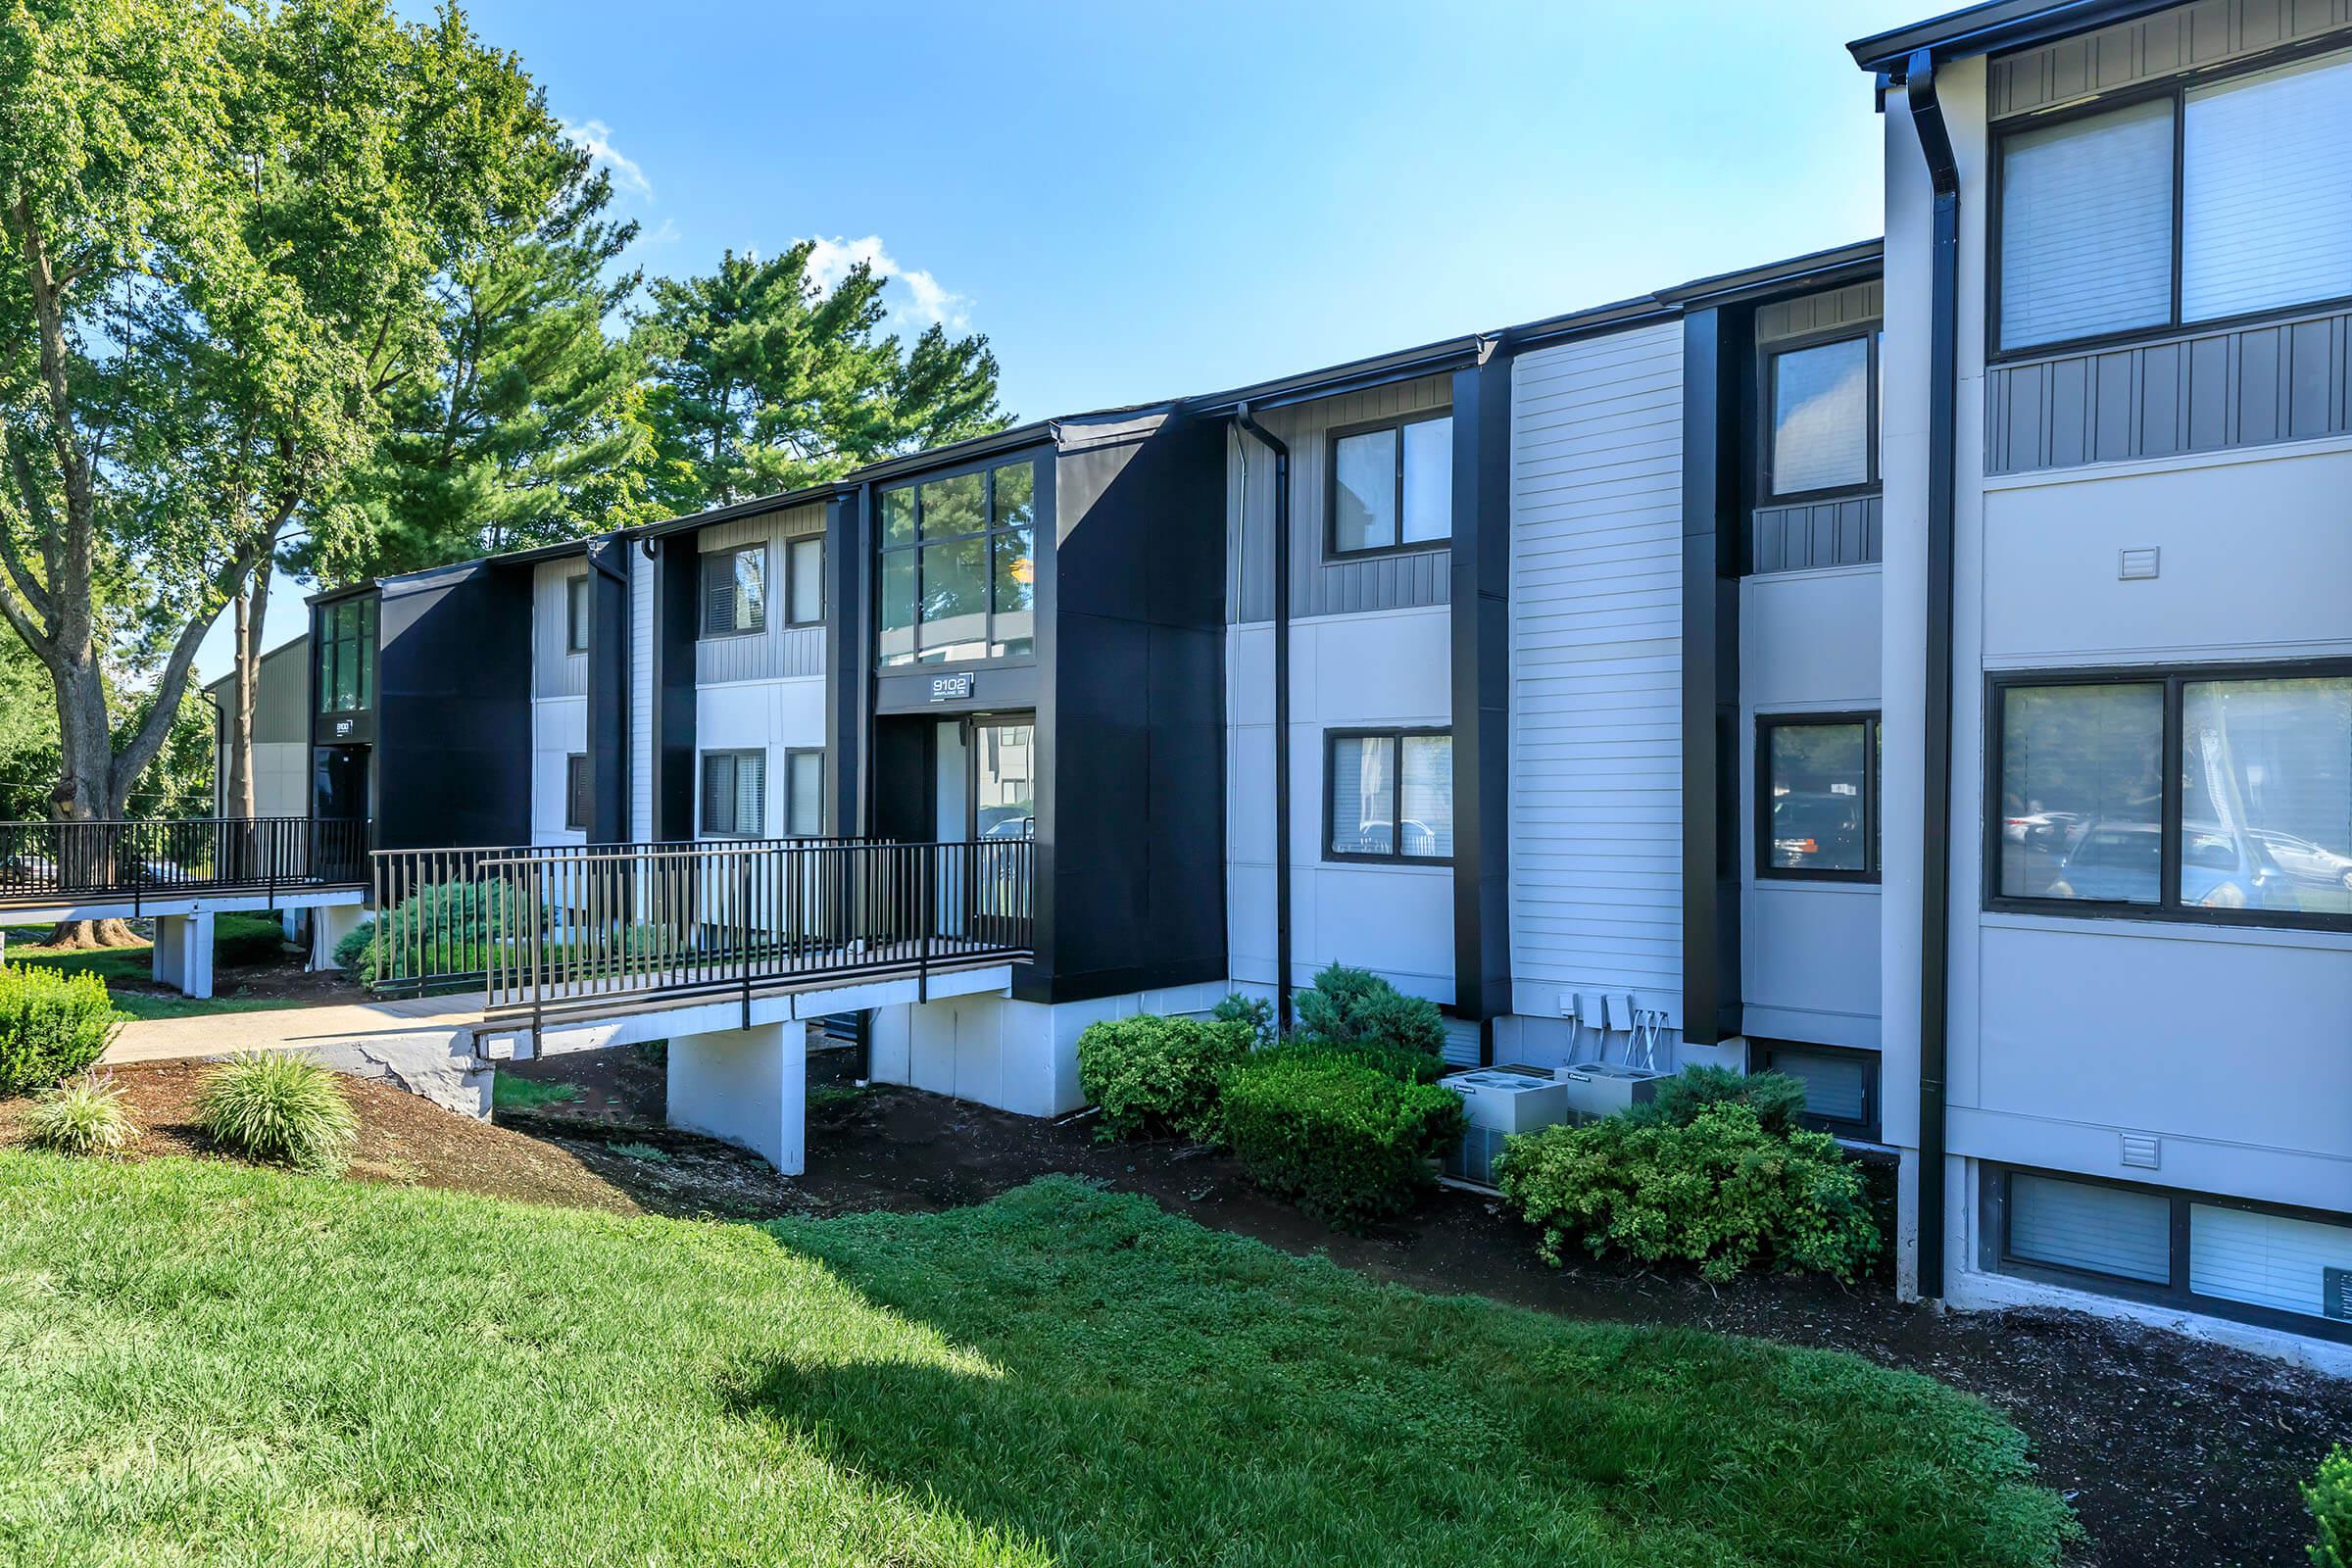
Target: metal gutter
x,y
1841,263
1984,29
1355,375
1246,422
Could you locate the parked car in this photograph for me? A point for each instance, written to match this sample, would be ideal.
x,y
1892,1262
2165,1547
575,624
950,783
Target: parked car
x,y
2122,862
2304,861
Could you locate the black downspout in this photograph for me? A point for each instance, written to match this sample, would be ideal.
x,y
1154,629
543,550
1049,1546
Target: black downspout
x,y
1943,353
601,564
1282,709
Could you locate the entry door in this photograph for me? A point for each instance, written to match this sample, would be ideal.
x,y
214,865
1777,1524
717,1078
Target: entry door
x,y
1003,779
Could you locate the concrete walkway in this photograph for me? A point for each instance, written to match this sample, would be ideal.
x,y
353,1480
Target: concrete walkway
x,y
424,1044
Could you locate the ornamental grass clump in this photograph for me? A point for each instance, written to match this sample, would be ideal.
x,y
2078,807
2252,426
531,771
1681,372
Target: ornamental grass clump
x,y
85,1116
52,1026
278,1109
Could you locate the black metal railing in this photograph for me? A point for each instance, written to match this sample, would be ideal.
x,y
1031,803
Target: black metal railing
x,y
93,862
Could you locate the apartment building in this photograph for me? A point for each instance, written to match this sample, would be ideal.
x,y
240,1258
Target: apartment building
x,y
1923,668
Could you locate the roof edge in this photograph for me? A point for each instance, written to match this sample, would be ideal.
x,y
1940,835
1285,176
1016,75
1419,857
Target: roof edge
x,y
1992,28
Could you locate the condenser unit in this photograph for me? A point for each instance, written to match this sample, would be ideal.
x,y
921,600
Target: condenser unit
x,y
1500,1102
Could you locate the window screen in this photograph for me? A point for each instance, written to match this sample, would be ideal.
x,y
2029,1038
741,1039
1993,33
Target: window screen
x,y
735,794
1821,417
2267,1260
2081,792
2079,1225
2266,191
2087,227
805,580
804,794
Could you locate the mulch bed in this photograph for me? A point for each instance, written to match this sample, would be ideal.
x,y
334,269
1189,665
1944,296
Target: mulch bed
x,y
2173,1451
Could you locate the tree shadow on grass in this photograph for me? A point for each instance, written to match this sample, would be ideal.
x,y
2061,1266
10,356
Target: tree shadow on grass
x,y
1080,1371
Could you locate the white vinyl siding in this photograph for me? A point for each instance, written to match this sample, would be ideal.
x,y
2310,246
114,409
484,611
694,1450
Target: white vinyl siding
x,y
2082,1225
2086,227
1596,606
2267,1260
2267,191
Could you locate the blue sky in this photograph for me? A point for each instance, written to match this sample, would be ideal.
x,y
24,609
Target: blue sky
x,y
1140,200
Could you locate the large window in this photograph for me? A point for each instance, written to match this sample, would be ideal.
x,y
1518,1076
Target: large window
x,y
575,792
734,794
576,614
2287,1268
804,794
1389,794
1391,487
2201,204
2212,796
734,591
960,566
1817,797
805,580
1822,408
347,657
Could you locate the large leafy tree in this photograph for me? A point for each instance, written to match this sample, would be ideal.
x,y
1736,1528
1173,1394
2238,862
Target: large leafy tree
x,y
219,231
764,381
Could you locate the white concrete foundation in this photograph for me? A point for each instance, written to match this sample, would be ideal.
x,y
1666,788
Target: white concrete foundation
x,y
1021,1057
746,1087
330,924
183,952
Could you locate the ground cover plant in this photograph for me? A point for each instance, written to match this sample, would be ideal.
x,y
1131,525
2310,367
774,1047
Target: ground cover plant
x,y
2330,1498
52,1025
237,1366
511,1093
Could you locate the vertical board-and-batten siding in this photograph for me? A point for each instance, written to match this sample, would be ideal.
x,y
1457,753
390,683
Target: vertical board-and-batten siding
x,y
641,695
555,671
1320,585
2131,54
780,652
1596,685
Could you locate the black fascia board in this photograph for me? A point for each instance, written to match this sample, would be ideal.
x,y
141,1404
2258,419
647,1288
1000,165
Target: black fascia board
x,y
1991,29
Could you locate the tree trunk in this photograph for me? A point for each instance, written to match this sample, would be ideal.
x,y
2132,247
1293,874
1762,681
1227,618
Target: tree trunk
x,y
84,791
253,609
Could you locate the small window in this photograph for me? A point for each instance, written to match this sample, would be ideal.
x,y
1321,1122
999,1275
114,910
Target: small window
x,y
1817,797
1841,1086
804,794
805,580
734,591
575,792
1391,487
1821,414
576,614
1389,794
735,794
2122,1231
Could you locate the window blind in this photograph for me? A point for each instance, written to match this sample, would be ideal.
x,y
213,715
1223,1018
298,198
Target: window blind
x,y
1821,417
804,794
806,569
2266,191
2106,1229
2086,227
2264,1260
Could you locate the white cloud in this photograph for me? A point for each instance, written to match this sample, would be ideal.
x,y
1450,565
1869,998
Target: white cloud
x,y
666,232
917,293
595,138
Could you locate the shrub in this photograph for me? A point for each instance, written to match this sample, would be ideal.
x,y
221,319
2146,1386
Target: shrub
x,y
1721,1192
455,928
1156,1076
1342,1140
278,1109
1255,1012
1351,1005
1777,1099
84,1115
248,939
52,1025
1393,1061
355,946
2329,1495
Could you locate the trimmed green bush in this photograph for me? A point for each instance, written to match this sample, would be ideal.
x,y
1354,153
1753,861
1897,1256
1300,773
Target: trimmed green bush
x,y
1342,1140
278,1109
1157,1077
1254,1011
1394,1061
1721,1193
1352,1004
52,1025
2329,1495
1777,1099
84,1115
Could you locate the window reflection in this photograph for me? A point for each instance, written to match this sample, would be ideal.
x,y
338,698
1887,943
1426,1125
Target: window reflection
x,y
2082,793
2266,795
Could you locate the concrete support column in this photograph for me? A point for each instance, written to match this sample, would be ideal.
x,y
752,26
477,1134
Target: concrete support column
x,y
183,952
330,923
746,1087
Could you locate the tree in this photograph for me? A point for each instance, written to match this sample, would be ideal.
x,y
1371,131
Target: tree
x,y
533,427
765,382
218,235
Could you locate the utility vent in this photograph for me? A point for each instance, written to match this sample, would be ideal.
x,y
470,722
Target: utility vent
x,y
2138,564
2140,1150
1461,1043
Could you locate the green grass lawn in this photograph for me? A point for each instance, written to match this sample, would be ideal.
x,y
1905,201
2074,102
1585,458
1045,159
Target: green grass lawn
x,y
510,1093
200,1362
114,965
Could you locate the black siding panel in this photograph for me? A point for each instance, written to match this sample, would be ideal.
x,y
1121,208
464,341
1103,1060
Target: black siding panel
x,y
453,753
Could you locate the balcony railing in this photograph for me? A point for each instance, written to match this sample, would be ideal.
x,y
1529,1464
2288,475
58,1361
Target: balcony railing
x,y
136,862
568,928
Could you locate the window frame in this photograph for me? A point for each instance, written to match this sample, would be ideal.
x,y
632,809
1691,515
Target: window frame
x,y
1395,854
1996,1256
1769,357
2175,679
1865,1131
578,786
1330,489
728,552
333,642
1041,532
793,754
793,544
1875,867
702,803
2176,88
575,612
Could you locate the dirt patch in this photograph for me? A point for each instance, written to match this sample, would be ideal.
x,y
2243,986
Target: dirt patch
x,y
404,1141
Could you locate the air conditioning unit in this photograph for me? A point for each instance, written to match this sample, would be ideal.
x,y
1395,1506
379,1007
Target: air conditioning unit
x,y
1501,1101
1597,1089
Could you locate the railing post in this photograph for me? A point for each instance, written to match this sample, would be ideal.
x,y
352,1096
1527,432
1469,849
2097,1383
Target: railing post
x,y
743,922
926,921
